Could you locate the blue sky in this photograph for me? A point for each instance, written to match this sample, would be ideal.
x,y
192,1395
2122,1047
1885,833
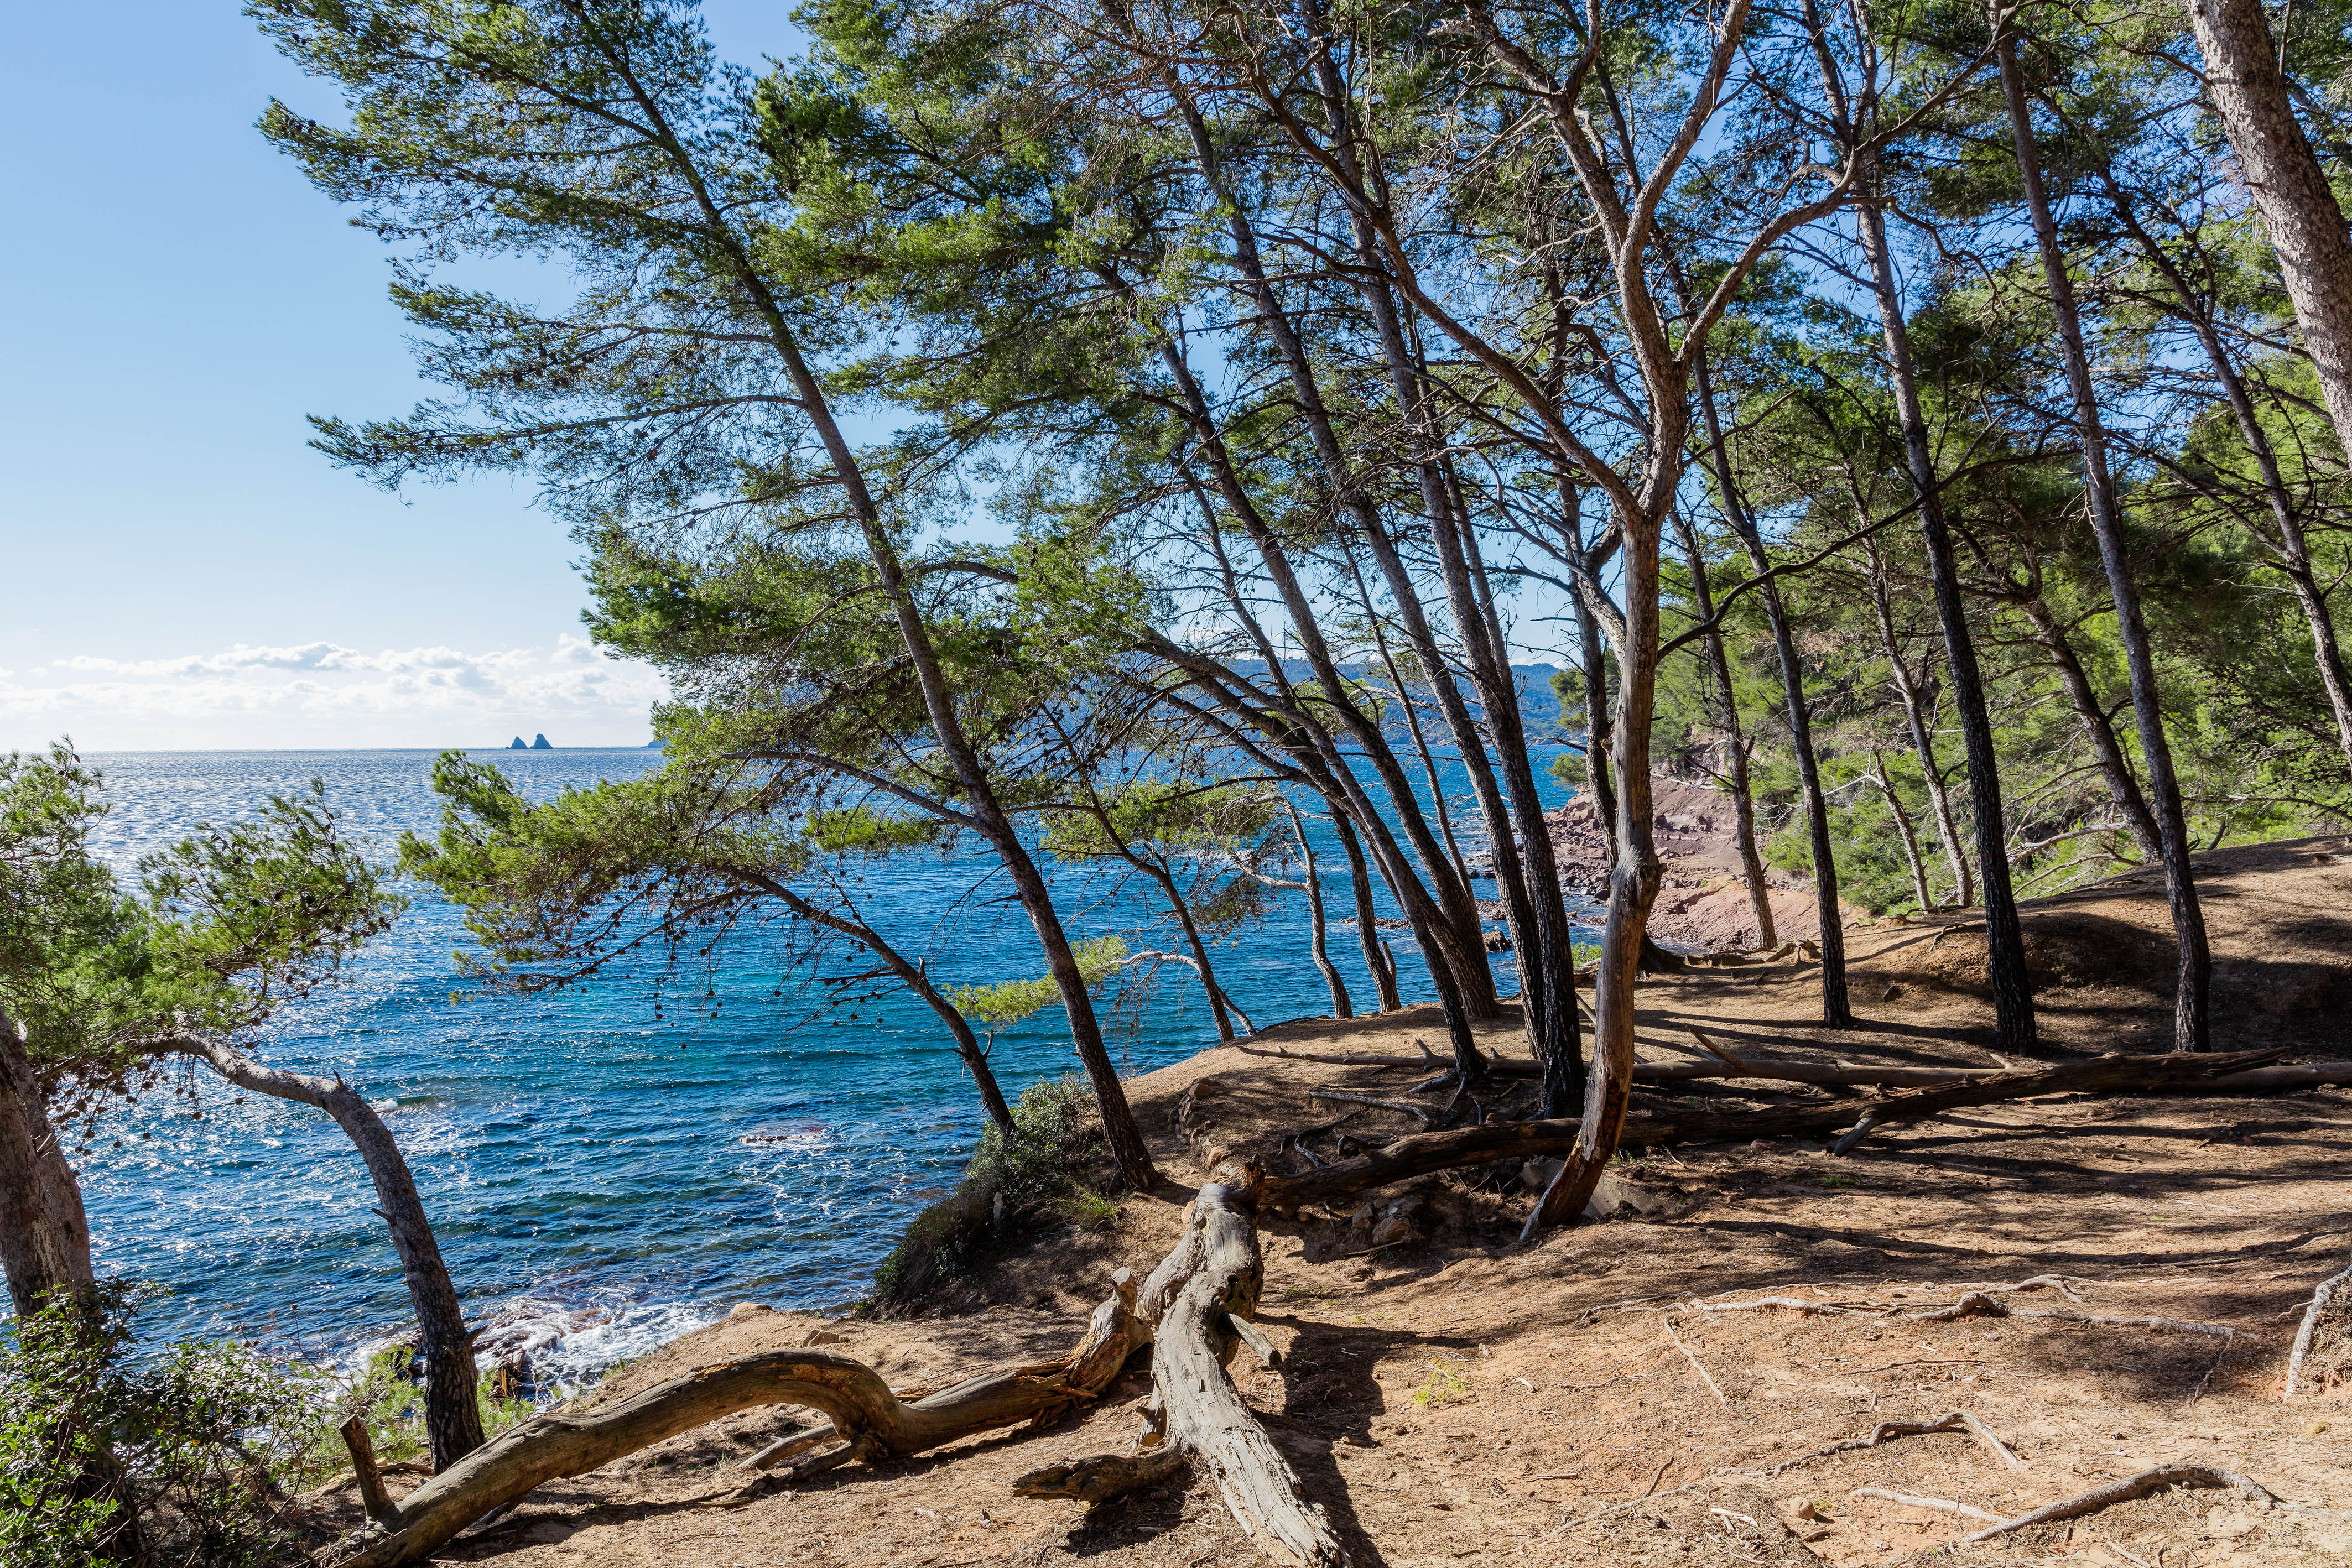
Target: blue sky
x,y
181,570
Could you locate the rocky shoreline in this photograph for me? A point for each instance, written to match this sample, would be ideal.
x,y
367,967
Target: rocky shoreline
x,y
1703,899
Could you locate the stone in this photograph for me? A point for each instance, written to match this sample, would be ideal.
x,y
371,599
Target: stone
x,y
750,1309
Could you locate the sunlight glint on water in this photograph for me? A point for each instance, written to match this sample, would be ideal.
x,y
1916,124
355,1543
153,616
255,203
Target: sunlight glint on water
x,y
600,1182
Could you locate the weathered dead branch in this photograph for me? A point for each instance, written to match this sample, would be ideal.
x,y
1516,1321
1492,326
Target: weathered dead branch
x,y
1886,1431
1980,1304
2124,1491
1913,1500
1426,1151
1208,1283
2322,1301
869,1420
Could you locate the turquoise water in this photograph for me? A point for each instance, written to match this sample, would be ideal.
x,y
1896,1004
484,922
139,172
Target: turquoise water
x,y
602,1181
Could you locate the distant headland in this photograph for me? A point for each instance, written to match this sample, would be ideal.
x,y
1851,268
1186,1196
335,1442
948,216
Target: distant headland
x,y
537,743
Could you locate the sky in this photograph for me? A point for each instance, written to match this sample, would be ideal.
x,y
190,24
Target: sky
x,y
178,570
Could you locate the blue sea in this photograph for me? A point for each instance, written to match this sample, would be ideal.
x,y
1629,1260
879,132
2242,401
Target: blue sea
x,y
602,1180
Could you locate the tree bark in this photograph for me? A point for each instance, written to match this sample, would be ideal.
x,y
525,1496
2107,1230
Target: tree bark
x,y
2248,90
2115,767
43,1232
1634,879
1917,704
1743,800
1886,783
452,1417
1367,933
2192,1024
1210,1280
731,250
2012,993
1837,1009
2289,548
1318,923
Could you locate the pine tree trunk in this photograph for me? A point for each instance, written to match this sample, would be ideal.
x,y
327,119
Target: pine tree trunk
x,y
2012,993
2115,767
452,1417
1367,932
2292,553
918,979
1837,1009
1318,923
2248,90
1184,923
1743,800
1886,783
44,1249
43,1232
1917,706
1120,1130
2192,1017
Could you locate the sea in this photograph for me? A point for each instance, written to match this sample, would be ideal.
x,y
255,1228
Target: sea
x,y
602,1177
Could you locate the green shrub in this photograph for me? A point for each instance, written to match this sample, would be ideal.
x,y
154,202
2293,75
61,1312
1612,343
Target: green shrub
x,y
392,1406
1041,1171
207,1435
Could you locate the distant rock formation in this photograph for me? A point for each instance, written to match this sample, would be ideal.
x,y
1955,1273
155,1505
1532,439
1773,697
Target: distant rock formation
x,y
538,743
517,744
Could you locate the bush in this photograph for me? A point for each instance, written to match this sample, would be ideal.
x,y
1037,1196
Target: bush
x,y
392,1404
201,1439
1043,1170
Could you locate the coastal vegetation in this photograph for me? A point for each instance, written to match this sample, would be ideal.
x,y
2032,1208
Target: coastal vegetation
x,y
1055,434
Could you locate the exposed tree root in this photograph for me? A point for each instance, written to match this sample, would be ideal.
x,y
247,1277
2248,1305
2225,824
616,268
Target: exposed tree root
x,y
1978,1304
1426,1151
872,1422
1885,1431
1830,1074
2322,1301
1980,1301
1204,1287
2130,1486
1193,1310
1913,1500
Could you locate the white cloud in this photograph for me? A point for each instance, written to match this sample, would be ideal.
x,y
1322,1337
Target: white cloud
x,y
323,695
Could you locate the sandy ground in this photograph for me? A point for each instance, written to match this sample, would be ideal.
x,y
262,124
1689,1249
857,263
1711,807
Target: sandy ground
x,y
1464,1399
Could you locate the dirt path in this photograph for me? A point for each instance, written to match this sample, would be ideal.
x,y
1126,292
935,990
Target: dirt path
x,y
1459,1399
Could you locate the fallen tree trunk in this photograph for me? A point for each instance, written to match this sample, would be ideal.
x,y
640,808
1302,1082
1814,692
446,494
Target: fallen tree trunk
x,y
1426,1151
2269,1080
1833,1074
1191,1308
1205,1286
874,1421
